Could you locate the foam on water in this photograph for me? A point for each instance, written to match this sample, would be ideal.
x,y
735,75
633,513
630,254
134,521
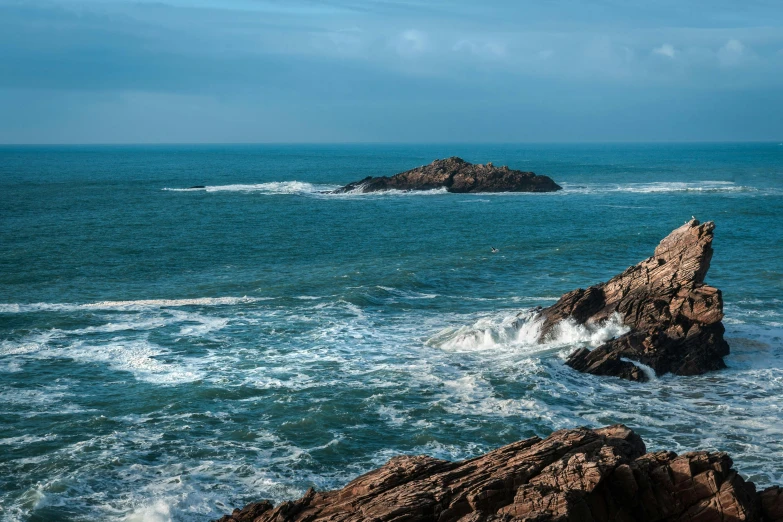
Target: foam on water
x,y
357,192
428,385
17,308
270,188
665,187
523,330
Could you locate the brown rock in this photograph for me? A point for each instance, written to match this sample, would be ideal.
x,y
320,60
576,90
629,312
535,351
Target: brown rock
x,y
675,318
456,175
573,475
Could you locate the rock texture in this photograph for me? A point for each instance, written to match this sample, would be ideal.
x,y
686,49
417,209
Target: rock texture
x,y
674,318
576,475
457,175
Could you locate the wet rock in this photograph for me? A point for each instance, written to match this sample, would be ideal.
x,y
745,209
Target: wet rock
x,y
456,175
674,317
573,475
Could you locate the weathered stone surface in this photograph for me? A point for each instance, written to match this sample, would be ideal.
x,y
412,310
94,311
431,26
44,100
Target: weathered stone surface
x,y
576,475
675,318
772,504
456,175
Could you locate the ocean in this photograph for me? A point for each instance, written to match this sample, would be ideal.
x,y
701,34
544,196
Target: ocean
x,y
169,353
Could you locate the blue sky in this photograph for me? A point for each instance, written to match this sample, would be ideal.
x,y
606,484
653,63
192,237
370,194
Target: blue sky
x,y
116,71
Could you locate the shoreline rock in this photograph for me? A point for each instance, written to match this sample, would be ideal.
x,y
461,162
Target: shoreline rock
x,y
574,475
674,317
456,175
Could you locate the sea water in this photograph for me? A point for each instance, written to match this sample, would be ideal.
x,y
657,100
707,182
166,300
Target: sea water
x,y
169,353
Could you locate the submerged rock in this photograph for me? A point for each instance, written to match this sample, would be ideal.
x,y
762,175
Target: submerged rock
x,y
456,175
578,475
675,318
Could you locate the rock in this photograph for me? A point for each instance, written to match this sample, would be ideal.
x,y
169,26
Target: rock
x,y
456,175
578,475
772,504
674,318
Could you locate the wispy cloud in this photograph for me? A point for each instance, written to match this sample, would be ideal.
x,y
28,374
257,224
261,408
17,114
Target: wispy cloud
x,y
666,50
732,53
411,41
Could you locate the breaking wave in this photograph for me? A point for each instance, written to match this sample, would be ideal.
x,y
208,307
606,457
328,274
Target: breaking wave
x,y
523,330
272,187
663,187
17,308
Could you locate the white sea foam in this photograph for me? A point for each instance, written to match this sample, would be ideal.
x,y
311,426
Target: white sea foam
x,y
145,360
344,368
357,192
658,187
568,332
15,308
271,188
24,440
140,357
523,330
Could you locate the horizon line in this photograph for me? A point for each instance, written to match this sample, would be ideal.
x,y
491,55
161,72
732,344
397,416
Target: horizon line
x,y
408,143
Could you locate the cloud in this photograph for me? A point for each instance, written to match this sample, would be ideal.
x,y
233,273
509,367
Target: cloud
x,y
667,50
411,41
368,61
732,53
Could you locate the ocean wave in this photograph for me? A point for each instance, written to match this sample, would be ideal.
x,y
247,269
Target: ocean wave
x,y
272,187
291,383
357,192
662,187
326,190
17,308
523,330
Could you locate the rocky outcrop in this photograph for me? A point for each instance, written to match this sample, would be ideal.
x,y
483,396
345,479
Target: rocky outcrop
x,y
456,175
674,317
576,475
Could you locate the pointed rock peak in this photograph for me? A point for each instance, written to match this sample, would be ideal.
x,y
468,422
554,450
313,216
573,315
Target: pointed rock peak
x,y
688,251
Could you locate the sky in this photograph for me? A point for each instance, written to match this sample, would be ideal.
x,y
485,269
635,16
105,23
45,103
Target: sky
x,y
392,71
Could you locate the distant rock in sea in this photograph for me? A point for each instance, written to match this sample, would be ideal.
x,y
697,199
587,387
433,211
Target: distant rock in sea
x,y
578,475
675,318
456,175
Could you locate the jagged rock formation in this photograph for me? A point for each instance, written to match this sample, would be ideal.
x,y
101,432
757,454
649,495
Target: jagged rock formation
x,y
456,175
675,318
576,475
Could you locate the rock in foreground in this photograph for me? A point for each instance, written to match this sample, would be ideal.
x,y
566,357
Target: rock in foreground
x,y
675,319
456,175
576,475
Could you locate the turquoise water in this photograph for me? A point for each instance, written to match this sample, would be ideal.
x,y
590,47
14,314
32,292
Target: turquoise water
x,y
169,354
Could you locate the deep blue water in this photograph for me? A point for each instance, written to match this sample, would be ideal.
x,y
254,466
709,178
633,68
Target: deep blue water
x,y
170,354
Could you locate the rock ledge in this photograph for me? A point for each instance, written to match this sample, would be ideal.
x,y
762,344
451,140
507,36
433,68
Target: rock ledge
x,y
578,475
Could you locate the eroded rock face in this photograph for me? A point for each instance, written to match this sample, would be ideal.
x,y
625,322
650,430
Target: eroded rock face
x,y
675,319
456,175
576,475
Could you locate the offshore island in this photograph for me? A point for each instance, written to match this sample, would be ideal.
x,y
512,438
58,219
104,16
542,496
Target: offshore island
x,y
456,175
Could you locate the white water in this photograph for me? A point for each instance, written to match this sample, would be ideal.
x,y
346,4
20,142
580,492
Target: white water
x,y
427,381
